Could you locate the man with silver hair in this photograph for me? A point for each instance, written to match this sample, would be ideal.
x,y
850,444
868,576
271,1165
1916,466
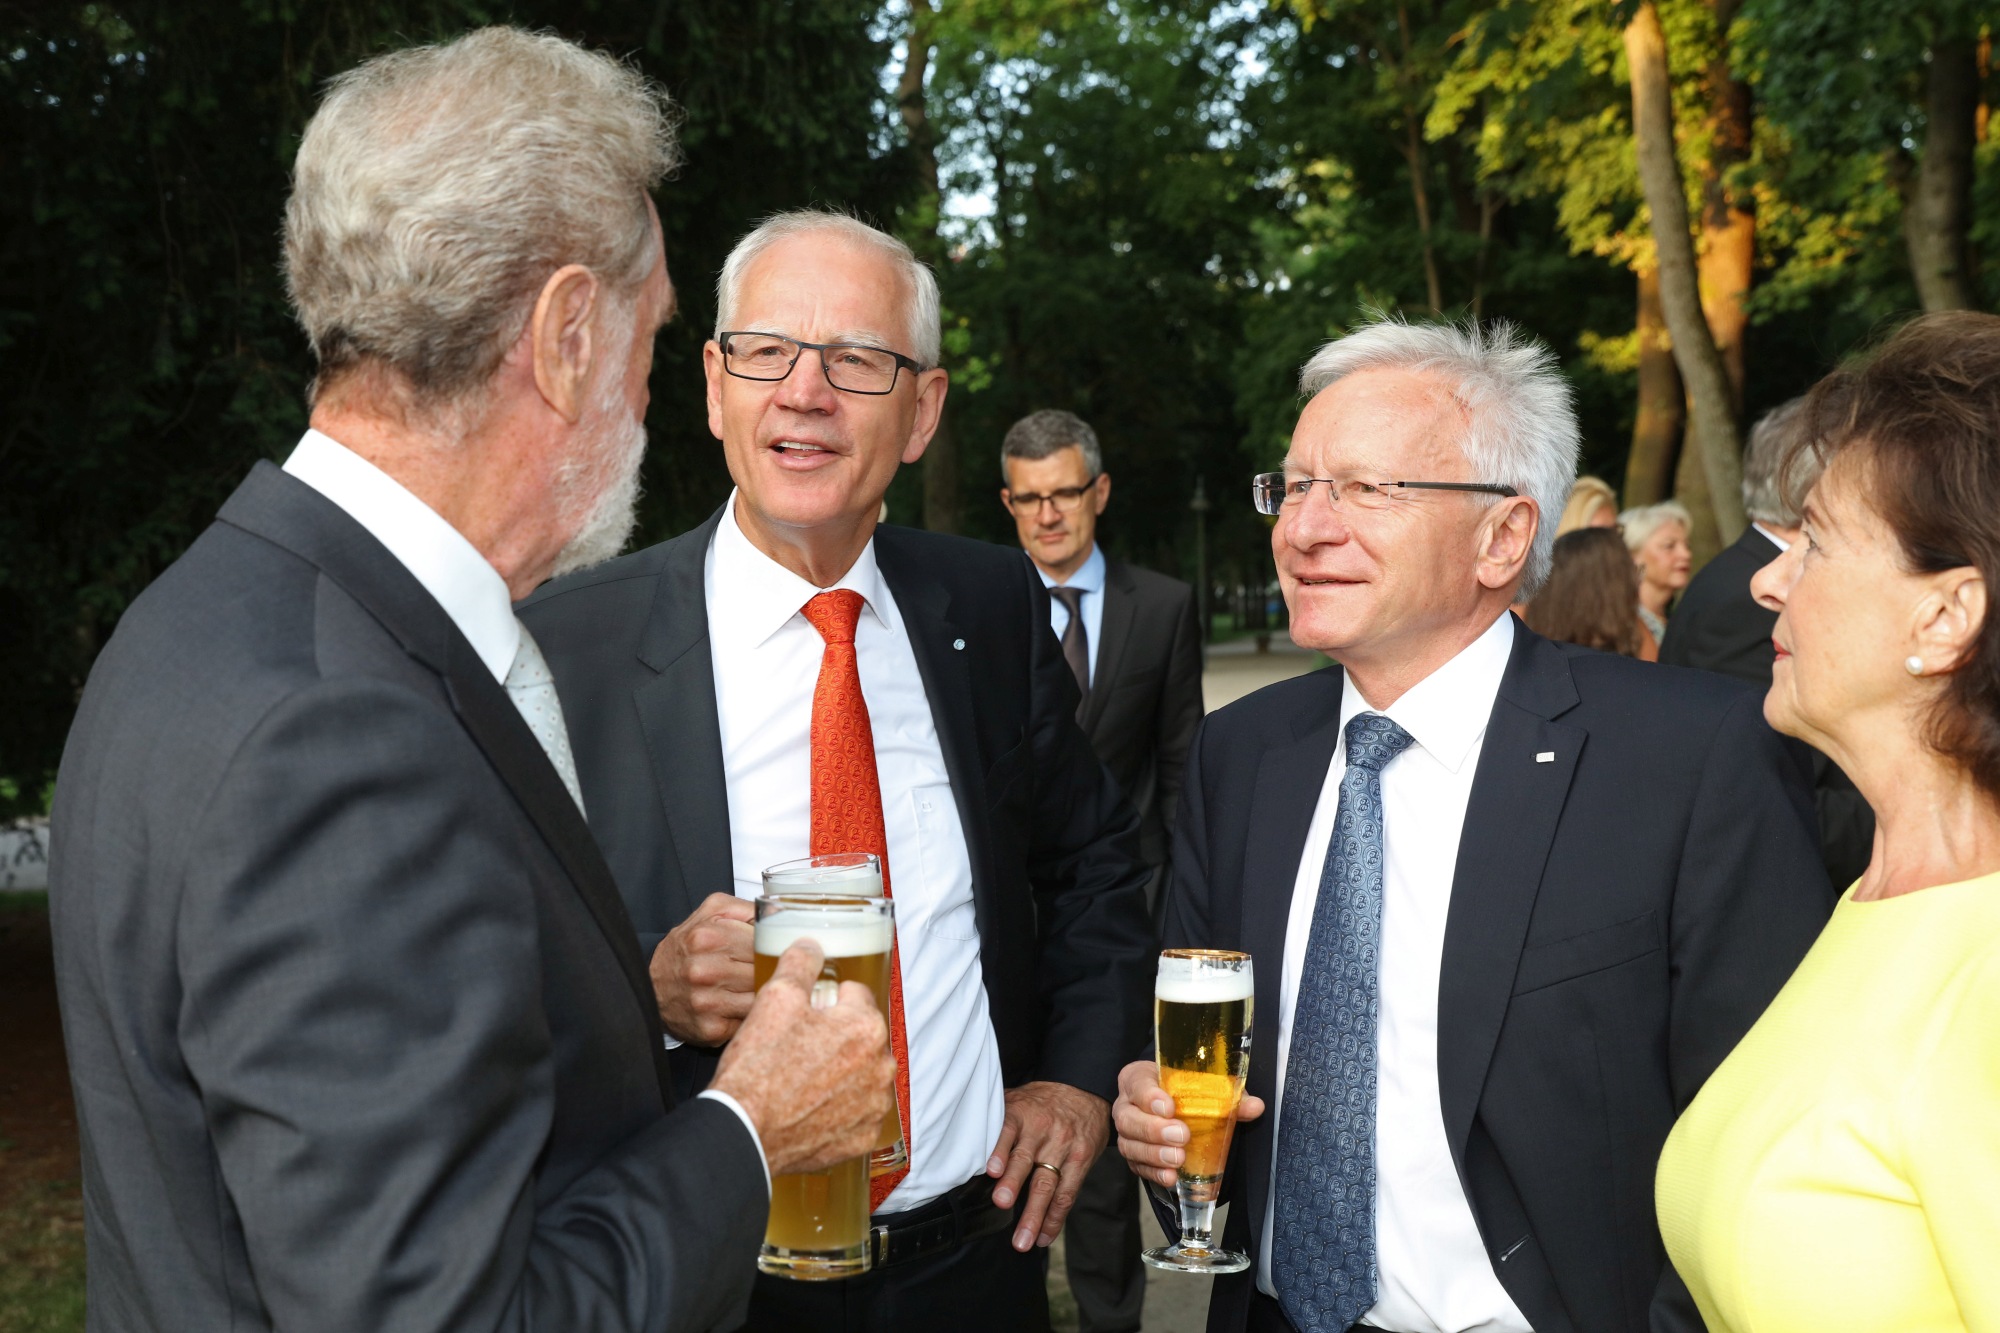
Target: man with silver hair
x,y
359,1034
1510,901
1720,626
794,678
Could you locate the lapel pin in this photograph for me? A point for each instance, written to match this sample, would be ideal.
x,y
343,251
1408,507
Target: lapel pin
x,y
958,644
1546,757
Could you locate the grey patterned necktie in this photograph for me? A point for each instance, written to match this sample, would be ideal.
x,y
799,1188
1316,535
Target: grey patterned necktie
x,y
533,689
1323,1218
1076,638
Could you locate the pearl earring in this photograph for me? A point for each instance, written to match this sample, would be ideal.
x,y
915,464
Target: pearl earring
x,y
1914,665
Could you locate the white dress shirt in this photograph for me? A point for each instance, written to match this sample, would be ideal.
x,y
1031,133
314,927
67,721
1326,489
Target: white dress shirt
x,y
1434,1273
1089,579
451,570
766,658
1772,537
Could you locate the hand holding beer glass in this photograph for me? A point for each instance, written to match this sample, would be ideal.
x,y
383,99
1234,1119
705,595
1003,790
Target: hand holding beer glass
x,y
1202,1004
818,1226
852,875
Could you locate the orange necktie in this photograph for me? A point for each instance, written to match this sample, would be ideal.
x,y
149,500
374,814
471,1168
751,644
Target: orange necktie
x,y
847,806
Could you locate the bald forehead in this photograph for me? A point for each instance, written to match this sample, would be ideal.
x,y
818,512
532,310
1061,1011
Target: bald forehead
x,y
1376,420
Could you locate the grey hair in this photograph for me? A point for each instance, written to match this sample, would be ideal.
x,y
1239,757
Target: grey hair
x,y
1777,469
437,188
1049,431
1638,525
926,333
1520,422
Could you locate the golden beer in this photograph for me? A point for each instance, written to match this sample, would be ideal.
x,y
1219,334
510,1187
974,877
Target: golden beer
x,y
818,1226
1203,1059
848,875
1202,1001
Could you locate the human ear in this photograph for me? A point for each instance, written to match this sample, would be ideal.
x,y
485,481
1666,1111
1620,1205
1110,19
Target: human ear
x,y
931,386
1506,536
561,339
1950,618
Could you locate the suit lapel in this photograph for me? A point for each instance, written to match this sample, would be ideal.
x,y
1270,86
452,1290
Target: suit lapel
x,y
1289,781
291,514
1510,822
1115,635
925,605
677,712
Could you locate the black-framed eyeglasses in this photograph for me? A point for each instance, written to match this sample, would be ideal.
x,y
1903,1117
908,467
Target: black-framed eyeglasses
x,y
849,367
1066,500
1274,491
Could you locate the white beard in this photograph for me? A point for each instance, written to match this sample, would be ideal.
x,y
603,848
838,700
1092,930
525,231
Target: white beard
x,y
597,486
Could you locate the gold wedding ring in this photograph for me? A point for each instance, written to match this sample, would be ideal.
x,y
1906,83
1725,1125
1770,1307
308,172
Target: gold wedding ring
x,y
1046,1167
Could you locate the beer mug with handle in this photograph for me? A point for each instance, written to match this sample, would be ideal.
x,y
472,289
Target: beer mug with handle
x,y
1201,1031
852,875
819,1219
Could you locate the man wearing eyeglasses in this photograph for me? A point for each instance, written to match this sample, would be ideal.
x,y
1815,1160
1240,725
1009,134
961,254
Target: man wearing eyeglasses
x,y
792,678
1129,637
1510,901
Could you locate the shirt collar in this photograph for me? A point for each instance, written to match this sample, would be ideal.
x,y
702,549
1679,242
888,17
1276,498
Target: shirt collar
x,y
764,595
1772,537
1089,576
438,556
1446,712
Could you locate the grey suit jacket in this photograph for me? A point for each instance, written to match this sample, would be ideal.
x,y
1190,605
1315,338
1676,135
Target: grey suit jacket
x,y
1145,695
358,1034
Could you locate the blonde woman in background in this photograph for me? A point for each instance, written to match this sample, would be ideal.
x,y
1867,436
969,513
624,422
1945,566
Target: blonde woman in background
x,y
1592,504
1657,537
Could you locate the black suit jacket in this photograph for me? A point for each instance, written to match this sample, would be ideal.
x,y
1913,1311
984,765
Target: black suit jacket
x,y
1619,917
358,1034
1145,695
1718,626
1058,888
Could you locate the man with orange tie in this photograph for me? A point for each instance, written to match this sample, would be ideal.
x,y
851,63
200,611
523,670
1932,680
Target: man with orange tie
x,y
791,679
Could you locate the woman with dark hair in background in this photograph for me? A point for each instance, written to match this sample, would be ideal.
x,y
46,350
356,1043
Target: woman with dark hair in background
x,y
1840,1171
1591,593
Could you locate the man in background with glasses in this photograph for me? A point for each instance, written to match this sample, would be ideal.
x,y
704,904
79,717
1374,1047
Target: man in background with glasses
x,y
1130,638
791,679
1510,901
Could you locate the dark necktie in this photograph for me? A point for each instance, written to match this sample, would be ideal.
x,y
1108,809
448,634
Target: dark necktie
x,y
1323,1220
1076,639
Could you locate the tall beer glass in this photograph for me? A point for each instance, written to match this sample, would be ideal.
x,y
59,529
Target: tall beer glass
x,y
819,1220
853,875
1201,1031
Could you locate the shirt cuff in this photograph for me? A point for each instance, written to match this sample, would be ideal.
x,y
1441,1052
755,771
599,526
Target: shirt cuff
x,y
743,1115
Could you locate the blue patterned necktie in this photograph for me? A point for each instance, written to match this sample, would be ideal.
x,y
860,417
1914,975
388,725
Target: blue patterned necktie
x,y
1323,1218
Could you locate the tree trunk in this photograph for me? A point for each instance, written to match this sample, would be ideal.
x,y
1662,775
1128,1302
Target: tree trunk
x,y
942,511
1728,229
1413,151
1714,432
1936,214
1691,489
1656,432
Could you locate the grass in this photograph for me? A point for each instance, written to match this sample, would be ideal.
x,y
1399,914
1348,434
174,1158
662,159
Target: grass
x,y
41,1258
23,900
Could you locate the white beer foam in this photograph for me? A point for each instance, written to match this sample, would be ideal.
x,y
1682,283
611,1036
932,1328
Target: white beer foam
x,y
1196,981
839,934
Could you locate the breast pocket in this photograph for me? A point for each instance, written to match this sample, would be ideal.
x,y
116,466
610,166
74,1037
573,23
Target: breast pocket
x,y
1592,951
944,901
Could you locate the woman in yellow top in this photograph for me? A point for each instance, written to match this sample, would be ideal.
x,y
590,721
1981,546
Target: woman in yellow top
x,y
1840,1171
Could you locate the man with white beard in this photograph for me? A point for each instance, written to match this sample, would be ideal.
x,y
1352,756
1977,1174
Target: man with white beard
x,y
360,1034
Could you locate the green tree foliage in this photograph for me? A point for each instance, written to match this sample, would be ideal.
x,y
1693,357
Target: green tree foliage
x,y
147,356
